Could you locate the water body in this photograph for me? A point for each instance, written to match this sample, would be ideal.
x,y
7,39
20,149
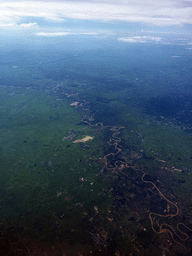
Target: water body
x,y
126,190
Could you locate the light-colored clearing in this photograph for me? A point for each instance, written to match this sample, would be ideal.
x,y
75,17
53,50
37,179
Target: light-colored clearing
x,y
84,139
74,104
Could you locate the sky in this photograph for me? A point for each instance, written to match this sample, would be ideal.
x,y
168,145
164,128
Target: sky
x,y
127,21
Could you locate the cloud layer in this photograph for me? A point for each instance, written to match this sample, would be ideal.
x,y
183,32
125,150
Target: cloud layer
x,y
140,39
130,21
160,13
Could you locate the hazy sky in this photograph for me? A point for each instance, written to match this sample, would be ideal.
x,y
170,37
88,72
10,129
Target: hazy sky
x,y
159,21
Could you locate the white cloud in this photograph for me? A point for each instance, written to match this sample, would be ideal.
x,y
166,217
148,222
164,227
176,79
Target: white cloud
x,y
29,25
89,33
164,12
6,24
140,39
53,34
155,32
